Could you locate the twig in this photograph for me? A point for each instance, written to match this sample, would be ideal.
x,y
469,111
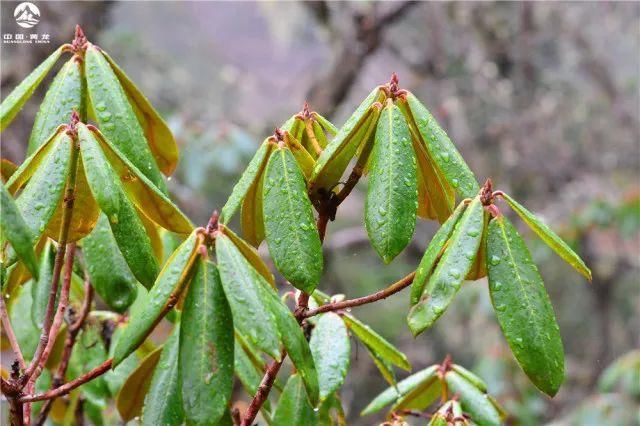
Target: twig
x,y
263,391
11,336
382,294
68,387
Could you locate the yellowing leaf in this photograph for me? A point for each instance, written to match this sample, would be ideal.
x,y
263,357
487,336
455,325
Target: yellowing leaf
x,y
130,398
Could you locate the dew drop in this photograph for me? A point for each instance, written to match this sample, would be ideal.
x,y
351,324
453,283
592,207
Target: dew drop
x,y
494,260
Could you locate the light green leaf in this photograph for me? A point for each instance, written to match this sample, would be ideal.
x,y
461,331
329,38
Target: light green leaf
x,y
116,117
473,401
454,264
88,353
523,307
246,298
27,333
41,288
392,196
293,407
376,342
470,377
14,229
294,243
64,96
442,150
163,296
250,254
405,386
432,254
206,348
548,236
13,103
163,403
420,397
331,351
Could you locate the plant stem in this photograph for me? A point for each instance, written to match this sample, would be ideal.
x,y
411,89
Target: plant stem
x,y
263,391
379,295
69,386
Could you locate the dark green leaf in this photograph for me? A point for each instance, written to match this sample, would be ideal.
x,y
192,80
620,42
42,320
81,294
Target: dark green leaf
x,y
163,403
247,297
433,253
251,254
42,286
392,196
206,348
442,150
14,229
331,352
110,275
161,298
64,96
294,243
293,407
115,115
474,402
454,264
12,104
523,307
247,371
548,236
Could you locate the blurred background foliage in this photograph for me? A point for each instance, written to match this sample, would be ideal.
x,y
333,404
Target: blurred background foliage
x,y
543,98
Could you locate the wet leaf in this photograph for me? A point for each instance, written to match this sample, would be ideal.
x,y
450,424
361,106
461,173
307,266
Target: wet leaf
x,y
14,229
250,254
13,103
442,150
163,403
294,243
164,294
303,158
115,115
394,393
293,407
7,169
248,180
251,219
206,348
454,264
433,253
339,152
331,351
249,375
473,401
384,366
326,124
161,142
470,377
247,298
479,268
42,286
420,397
88,353
27,333
130,398
64,96
523,307
548,236
377,343
110,275
392,196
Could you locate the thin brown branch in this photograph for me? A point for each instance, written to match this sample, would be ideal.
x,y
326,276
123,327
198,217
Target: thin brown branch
x,y
263,391
11,336
379,295
68,387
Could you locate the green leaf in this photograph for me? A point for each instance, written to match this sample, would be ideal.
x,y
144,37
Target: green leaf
x,y
392,196
42,286
117,377
433,253
470,377
331,352
27,333
110,275
251,219
442,150
454,264
163,403
246,297
326,124
247,372
250,254
420,397
161,141
64,96
377,343
88,353
294,243
116,117
248,179
293,407
14,229
548,236
164,294
405,386
130,398
206,348
38,200
303,158
13,103
523,307
474,402
334,160
384,366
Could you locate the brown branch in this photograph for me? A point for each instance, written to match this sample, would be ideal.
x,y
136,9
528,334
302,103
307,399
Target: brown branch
x,y
11,336
382,294
68,387
263,391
